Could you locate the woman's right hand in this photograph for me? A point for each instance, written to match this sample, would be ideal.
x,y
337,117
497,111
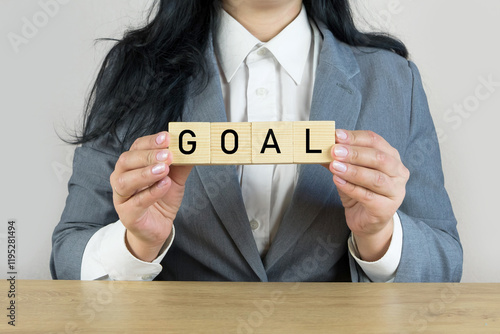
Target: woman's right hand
x,y
147,193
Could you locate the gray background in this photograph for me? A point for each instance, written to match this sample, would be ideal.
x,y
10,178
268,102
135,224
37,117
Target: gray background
x,y
44,84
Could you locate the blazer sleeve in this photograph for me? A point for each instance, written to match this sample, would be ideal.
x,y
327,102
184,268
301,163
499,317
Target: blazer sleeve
x,y
89,206
431,246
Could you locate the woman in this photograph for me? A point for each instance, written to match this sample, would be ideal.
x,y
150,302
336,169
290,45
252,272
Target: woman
x,y
363,218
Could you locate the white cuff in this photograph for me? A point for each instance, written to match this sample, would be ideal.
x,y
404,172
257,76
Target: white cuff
x,y
106,256
383,270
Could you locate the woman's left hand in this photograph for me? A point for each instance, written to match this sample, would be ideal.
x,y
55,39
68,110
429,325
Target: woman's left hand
x,y
371,181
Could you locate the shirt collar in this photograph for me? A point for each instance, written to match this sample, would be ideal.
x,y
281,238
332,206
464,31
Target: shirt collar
x,y
290,47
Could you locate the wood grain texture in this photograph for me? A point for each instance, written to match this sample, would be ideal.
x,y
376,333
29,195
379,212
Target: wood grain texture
x,y
313,141
221,133
211,307
272,142
199,135
258,142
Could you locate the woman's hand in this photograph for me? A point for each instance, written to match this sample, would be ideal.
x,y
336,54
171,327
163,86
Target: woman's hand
x,y
147,193
371,181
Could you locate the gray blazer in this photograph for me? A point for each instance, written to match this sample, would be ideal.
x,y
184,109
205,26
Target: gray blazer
x,y
365,89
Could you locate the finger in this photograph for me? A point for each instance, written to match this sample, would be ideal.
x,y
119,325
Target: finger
x,y
370,158
366,139
347,201
137,205
156,141
136,159
356,193
370,179
127,184
179,174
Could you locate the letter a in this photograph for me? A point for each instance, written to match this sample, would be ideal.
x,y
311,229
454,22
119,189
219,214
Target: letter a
x,y
270,134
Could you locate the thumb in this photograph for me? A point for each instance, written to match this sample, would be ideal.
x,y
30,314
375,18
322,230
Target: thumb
x,y
347,201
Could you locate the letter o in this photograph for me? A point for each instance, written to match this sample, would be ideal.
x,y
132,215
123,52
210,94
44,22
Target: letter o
x,y
309,265
255,319
436,307
416,158
222,178
44,19
104,297
223,141
212,189
471,103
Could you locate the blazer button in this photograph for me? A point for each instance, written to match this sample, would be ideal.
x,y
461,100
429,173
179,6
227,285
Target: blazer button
x,y
254,224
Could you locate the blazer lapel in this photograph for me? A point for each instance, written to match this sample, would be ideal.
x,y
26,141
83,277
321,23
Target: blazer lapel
x,y
221,182
334,98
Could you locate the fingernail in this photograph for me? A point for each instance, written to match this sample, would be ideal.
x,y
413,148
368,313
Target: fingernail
x,y
339,167
162,183
340,151
161,138
158,169
162,155
339,180
341,134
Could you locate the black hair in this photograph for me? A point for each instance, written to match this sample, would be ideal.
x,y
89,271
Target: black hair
x,y
144,80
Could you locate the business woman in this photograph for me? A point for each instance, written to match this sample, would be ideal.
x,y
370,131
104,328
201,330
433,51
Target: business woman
x,y
379,211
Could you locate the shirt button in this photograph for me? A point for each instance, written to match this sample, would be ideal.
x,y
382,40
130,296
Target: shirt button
x,y
254,224
261,92
147,277
262,52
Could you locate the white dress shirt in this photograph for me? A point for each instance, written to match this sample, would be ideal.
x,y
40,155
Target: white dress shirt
x,y
270,81
267,82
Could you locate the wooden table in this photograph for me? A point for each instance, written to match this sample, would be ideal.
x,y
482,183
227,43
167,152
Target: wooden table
x,y
200,307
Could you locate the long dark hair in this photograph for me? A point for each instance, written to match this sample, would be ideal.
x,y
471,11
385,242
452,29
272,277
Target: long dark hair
x,y
144,80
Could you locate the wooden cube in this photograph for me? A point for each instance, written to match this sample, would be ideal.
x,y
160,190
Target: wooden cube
x,y
272,143
231,143
313,142
190,143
